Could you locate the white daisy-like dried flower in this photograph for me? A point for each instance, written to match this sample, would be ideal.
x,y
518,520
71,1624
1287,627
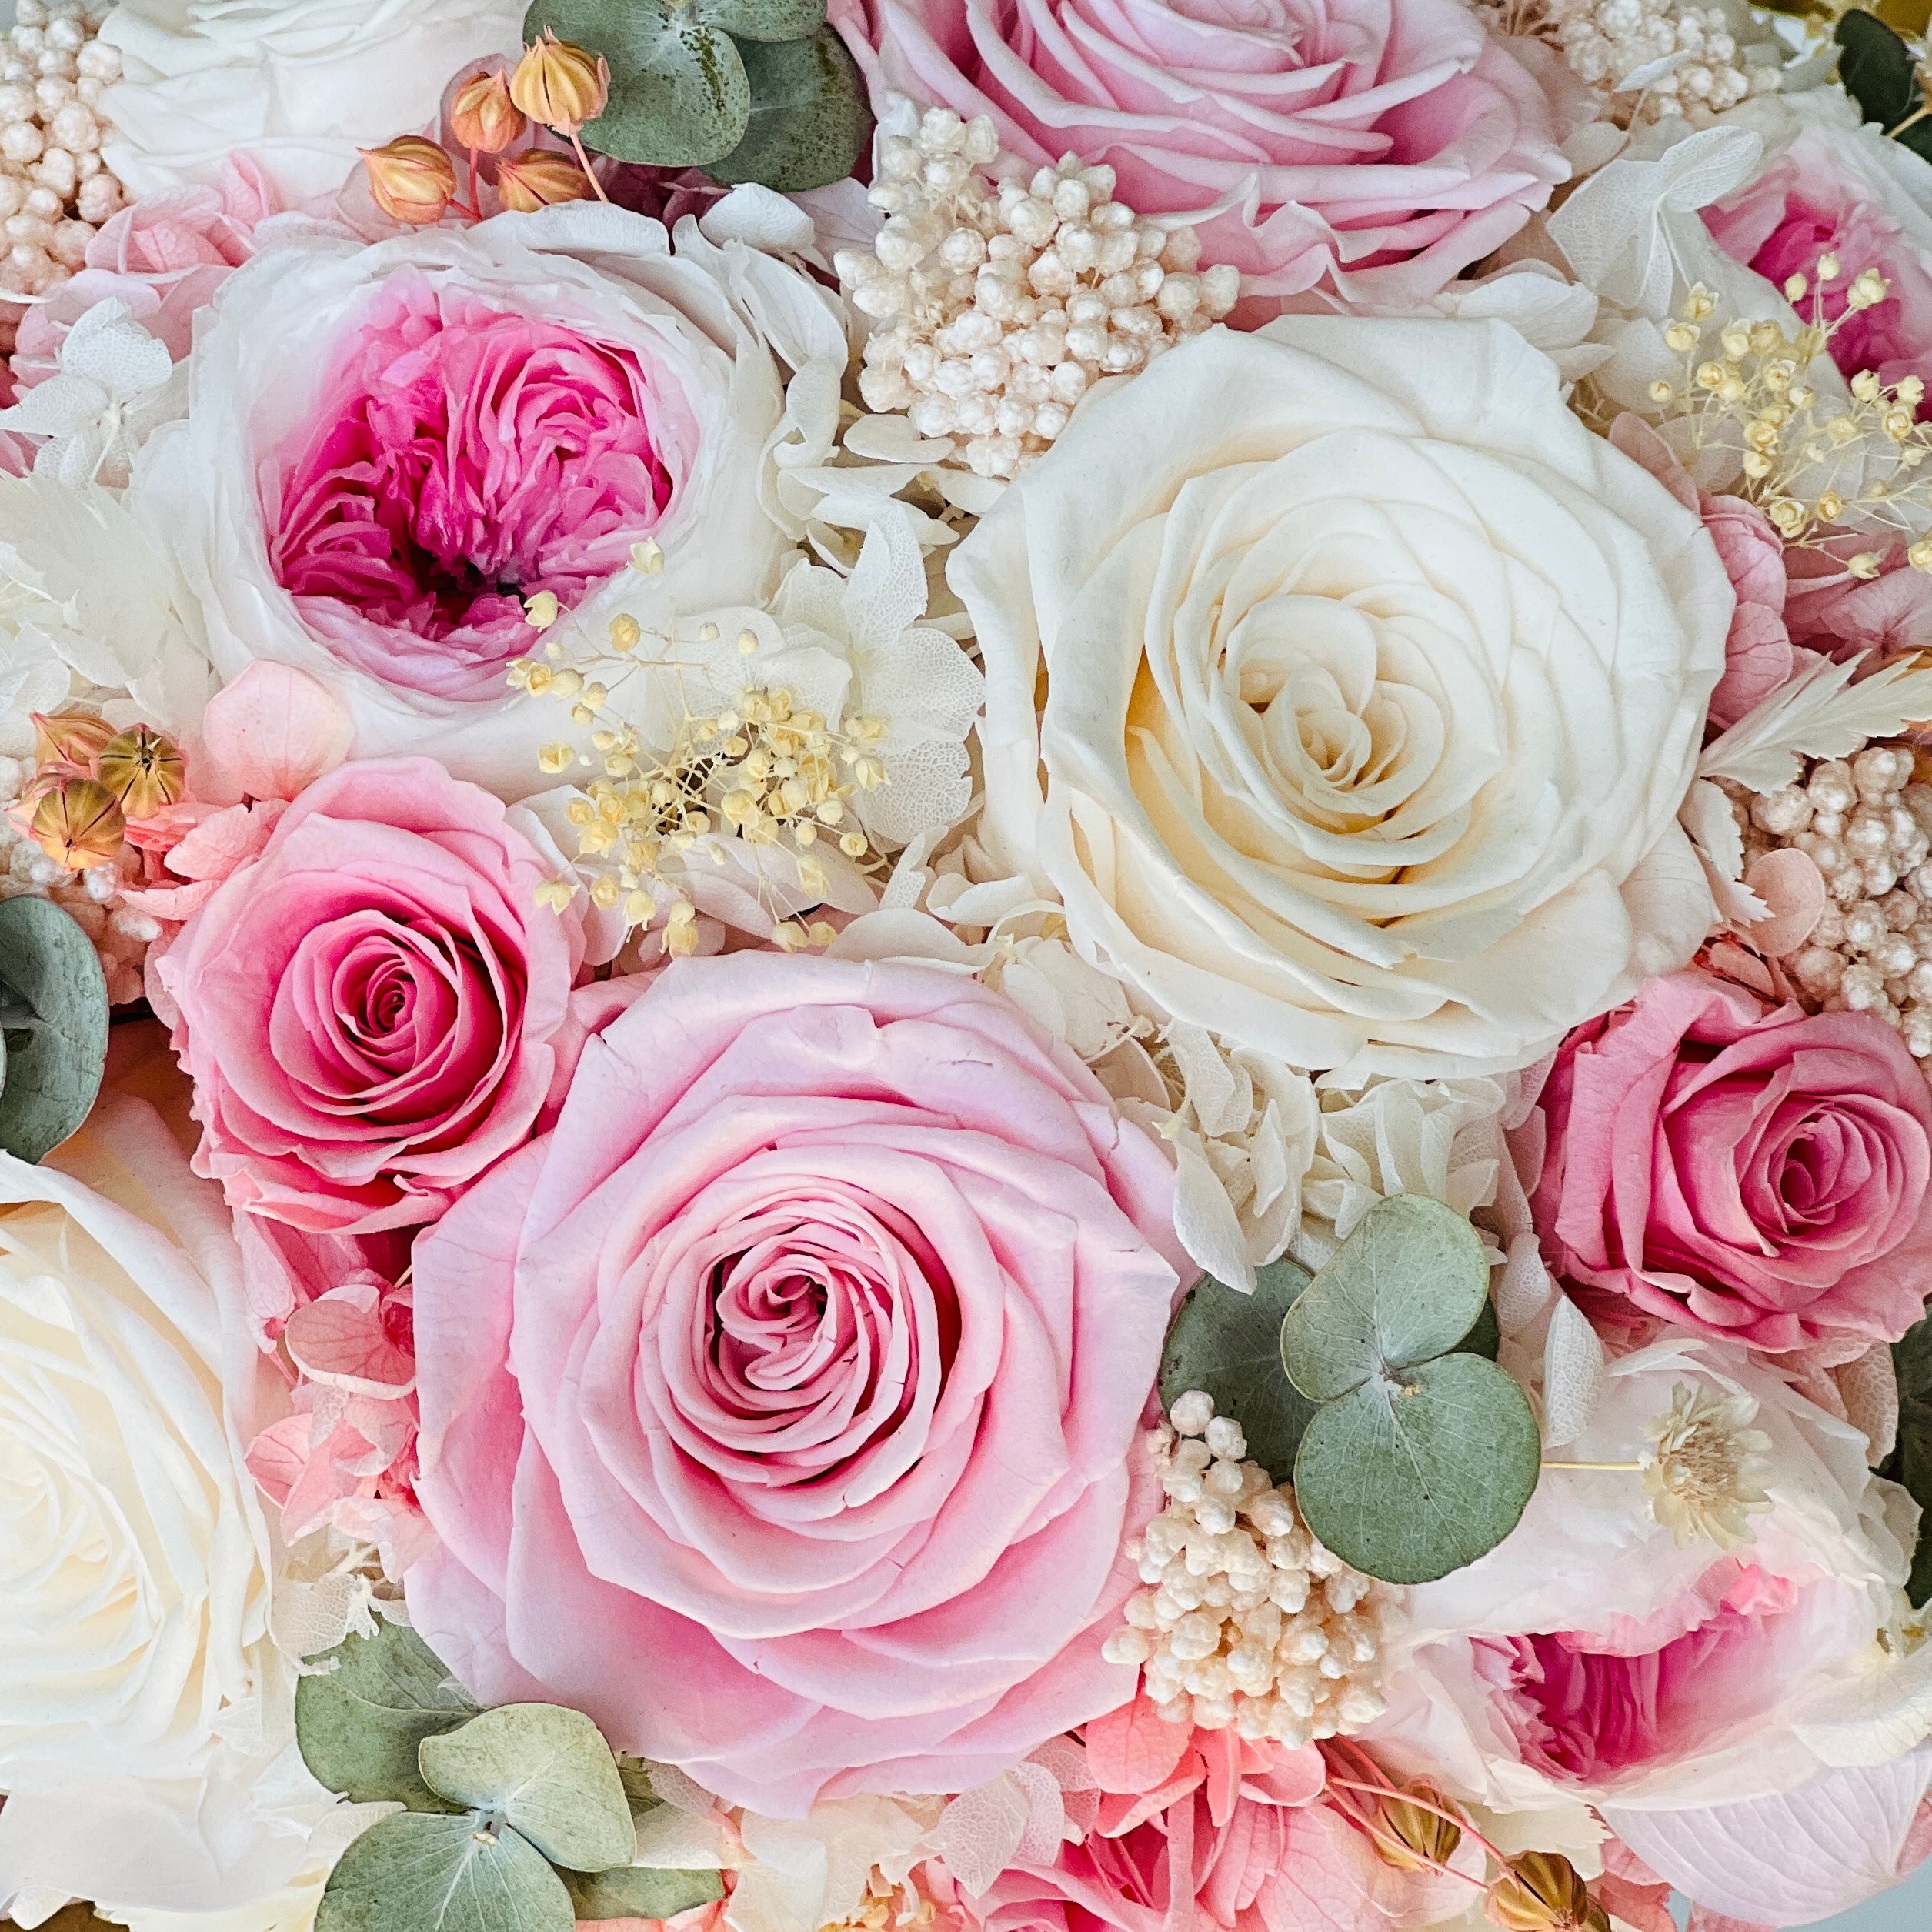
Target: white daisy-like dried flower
x,y
1705,1470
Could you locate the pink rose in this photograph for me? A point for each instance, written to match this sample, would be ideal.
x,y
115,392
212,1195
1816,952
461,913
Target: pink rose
x,y
372,1006
165,257
1750,1173
1836,191
780,1407
1382,149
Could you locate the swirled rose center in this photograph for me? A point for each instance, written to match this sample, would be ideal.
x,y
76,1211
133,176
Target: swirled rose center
x,y
462,459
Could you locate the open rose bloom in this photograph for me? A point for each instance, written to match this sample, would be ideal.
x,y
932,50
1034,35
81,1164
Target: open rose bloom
x,y
965,966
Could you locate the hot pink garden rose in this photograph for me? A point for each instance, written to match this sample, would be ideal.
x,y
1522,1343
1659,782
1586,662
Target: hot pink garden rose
x,y
780,1406
1753,1173
373,1007
1380,149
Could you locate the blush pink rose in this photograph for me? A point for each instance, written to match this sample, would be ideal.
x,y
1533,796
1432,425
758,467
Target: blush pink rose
x,y
781,1406
373,1006
1826,195
1752,1172
1380,149
164,256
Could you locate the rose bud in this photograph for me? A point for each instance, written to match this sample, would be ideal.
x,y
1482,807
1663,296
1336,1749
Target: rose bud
x,y
538,177
78,824
1541,1892
560,84
143,771
412,179
485,119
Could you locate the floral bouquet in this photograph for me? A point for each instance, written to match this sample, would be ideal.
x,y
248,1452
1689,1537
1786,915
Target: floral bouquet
x,y
965,965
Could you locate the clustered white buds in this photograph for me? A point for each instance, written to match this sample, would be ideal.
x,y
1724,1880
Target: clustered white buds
x,y
1868,828
1605,42
55,189
121,936
1251,1622
999,307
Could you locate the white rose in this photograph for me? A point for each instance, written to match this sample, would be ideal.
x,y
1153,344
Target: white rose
x,y
301,84
1592,1655
736,358
1372,683
141,1694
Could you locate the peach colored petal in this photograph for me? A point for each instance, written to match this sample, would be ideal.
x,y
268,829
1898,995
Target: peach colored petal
x,y
235,834
271,732
1790,883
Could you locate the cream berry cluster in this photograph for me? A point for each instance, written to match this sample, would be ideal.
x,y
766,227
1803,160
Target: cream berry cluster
x,y
55,189
997,307
1250,1622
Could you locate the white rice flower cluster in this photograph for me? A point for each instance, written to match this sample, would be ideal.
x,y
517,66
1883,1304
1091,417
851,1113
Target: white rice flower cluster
x,y
1603,42
1251,1622
55,190
120,934
1000,307
1868,828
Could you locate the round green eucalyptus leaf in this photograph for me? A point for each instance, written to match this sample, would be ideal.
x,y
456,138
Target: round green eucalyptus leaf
x,y
414,1873
1408,1284
809,121
678,96
360,1725
51,980
639,1892
1229,1344
1417,1473
763,19
546,1770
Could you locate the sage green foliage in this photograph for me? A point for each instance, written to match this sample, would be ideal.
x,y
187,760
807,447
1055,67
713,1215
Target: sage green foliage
x,y
1911,1462
54,1025
359,1725
637,1892
1421,1456
1877,68
414,1873
545,1771
752,90
498,1801
1229,1344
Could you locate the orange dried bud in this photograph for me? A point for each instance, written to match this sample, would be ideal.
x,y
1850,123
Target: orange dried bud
x,y
143,771
560,84
78,824
485,117
412,179
72,738
1410,1836
538,177
1540,1892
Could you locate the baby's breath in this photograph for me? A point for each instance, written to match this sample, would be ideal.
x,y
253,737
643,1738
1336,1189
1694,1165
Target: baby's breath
x,y
1812,468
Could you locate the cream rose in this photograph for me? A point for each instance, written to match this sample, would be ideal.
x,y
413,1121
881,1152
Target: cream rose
x,y
1370,682
140,1691
300,84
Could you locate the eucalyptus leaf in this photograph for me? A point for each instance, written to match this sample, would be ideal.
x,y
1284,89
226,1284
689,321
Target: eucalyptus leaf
x,y
641,1795
545,1770
1485,1338
1229,1344
411,1873
808,121
1408,1284
359,1725
1877,68
678,96
1910,1463
763,19
53,1065
638,1892
1420,1470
